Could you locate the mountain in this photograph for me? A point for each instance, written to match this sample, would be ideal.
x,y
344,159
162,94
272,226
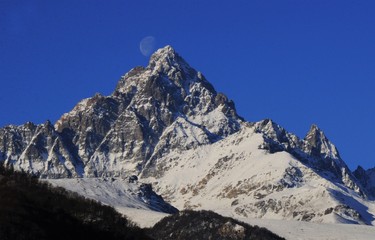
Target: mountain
x,y
167,105
167,124
248,175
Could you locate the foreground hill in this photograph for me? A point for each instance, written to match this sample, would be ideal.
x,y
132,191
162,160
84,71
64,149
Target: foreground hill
x,y
30,209
188,225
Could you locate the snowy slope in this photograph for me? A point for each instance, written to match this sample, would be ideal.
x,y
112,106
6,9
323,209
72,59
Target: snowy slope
x,y
118,193
290,230
123,196
299,230
237,175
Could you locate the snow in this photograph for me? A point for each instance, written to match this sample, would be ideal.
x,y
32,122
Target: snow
x,y
115,192
183,135
298,230
235,175
291,230
186,171
143,218
80,107
214,121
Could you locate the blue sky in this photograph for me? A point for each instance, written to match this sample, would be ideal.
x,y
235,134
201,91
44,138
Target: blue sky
x,y
297,62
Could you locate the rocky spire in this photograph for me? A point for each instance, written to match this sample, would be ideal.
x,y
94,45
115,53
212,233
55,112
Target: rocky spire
x,y
166,55
361,175
139,120
318,144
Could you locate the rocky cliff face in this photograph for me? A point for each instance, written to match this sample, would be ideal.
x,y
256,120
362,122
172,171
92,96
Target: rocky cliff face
x,y
367,179
166,105
38,149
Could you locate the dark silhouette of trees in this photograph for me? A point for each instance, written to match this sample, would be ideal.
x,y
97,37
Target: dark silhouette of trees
x,y
207,225
32,209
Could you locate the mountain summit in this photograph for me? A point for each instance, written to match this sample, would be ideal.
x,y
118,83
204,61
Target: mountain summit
x,y
153,110
167,124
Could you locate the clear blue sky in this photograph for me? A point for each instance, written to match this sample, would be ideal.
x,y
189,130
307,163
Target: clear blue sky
x,y
297,62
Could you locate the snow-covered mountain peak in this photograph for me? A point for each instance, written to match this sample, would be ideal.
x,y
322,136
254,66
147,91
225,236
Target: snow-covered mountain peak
x,y
271,129
318,144
166,55
314,135
162,107
168,70
165,52
167,62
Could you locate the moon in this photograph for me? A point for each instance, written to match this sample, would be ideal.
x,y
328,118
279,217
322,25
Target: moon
x,y
147,45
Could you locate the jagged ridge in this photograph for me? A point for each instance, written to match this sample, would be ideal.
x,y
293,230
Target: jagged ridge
x,y
165,105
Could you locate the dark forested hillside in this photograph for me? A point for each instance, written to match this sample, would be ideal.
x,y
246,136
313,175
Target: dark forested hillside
x,y
30,209
207,225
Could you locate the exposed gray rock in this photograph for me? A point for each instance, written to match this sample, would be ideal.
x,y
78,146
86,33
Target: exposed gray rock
x,y
38,149
315,151
155,109
156,202
367,179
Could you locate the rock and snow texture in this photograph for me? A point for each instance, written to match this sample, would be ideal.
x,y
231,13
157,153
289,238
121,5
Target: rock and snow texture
x,y
118,193
166,123
238,175
167,105
38,149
